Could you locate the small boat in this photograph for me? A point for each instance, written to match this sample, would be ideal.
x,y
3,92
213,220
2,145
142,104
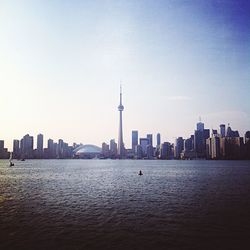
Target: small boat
x,y
11,163
22,159
140,173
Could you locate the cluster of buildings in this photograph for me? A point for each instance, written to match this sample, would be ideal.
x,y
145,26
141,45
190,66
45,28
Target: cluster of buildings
x,y
24,149
222,144
225,144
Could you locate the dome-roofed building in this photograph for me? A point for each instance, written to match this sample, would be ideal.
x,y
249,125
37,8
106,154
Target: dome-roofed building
x,y
88,151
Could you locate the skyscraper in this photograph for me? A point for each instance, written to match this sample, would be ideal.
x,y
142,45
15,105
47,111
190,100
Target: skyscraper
x,y
179,146
40,146
134,139
27,146
150,139
16,149
223,130
158,139
200,126
113,148
144,142
51,148
120,136
200,136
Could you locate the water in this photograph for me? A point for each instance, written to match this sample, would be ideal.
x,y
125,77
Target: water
x,y
104,204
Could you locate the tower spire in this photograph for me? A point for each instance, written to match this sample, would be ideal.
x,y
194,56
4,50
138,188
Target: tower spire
x,y
120,135
120,93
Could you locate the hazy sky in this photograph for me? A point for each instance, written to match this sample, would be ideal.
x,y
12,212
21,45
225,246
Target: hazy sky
x,y
61,63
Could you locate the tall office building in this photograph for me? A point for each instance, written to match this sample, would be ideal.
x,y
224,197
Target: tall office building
x,y
1,149
247,145
179,147
40,146
144,142
150,139
51,149
134,139
158,139
16,149
60,147
120,136
105,150
232,133
200,137
113,148
27,145
4,154
200,126
188,144
165,151
150,152
223,130
231,148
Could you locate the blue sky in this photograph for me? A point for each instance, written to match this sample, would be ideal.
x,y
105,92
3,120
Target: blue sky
x,y
61,63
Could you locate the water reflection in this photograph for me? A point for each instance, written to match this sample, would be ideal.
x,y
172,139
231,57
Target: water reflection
x,y
80,204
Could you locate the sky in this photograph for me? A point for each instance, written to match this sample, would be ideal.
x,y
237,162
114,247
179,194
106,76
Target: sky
x,y
61,64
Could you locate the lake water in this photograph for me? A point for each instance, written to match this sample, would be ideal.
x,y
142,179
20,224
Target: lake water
x,y
105,204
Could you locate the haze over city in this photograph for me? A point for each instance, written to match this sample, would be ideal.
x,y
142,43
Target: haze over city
x,y
62,62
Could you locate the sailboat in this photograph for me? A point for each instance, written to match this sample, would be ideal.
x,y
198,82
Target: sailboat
x,y
11,163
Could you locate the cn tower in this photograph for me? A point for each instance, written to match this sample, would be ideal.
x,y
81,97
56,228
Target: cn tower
x,y
120,136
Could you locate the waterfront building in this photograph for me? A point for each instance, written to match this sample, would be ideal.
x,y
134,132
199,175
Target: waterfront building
x,y
179,146
165,151
138,152
188,152
60,149
200,137
134,139
150,152
144,142
231,148
105,150
88,151
55,150
208,148
232,133
16,149
150,139
200,126
113,148
50,152
27,145
188,144
4,154
39,146
215,147
120,136
247,136
158,139
223,130
247,145
214,132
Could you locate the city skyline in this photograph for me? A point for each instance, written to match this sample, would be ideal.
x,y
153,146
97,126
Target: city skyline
x,y
61,64
203,143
